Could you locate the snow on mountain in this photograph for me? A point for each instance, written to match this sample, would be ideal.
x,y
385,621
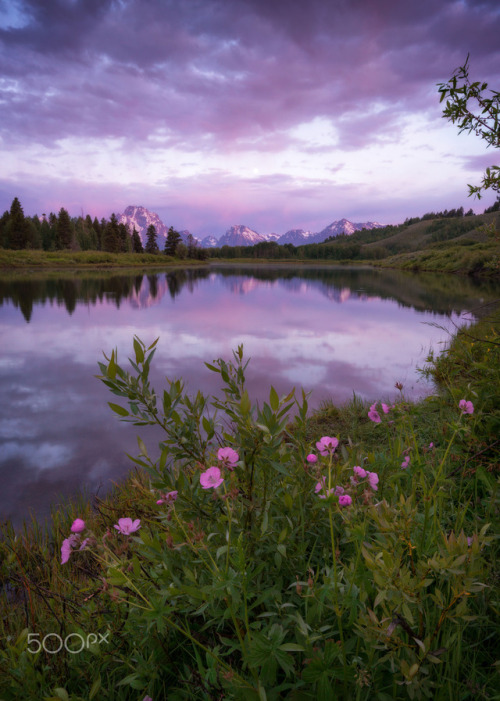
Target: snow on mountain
x,y
209,242
343,226
240,235
141,218
295,236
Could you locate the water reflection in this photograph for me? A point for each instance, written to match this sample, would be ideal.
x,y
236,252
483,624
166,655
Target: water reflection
x,y
333,331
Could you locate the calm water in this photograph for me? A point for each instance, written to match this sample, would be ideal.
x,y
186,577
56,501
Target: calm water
x,y
332,331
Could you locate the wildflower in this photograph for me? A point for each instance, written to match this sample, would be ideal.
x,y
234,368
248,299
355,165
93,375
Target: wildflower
x,y
359,472
373,480
67,545
385,408
345,500
373,414
320,485
339,490
126,526
431,446
469,540
168,497
228,457
211,478
466,407
78,526
327,445
312,458
405,462
84,544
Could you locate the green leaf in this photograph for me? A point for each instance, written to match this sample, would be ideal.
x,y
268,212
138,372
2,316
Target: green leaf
x,y
292,647
61,694
95,688
139,353
274,399
118,409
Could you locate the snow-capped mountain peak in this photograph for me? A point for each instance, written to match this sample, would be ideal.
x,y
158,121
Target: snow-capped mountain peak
x,y
141,218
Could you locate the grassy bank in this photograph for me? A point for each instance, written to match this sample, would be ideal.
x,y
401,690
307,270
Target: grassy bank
x,y
87,260
259,588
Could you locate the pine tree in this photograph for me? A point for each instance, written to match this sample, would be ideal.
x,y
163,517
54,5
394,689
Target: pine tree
x,y
172,241
137,246
151,245
111,241
17,229
65,230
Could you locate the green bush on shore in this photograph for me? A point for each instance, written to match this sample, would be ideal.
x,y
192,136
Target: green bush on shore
x,y
270,554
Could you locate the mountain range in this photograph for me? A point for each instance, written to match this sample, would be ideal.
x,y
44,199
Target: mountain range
x,y
238,235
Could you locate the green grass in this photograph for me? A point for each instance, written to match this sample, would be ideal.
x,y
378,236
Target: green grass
x,y
84,259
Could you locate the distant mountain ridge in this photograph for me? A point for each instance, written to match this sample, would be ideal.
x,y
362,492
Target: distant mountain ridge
x,y
239,234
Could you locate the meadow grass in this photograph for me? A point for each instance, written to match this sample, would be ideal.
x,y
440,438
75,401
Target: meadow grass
x,y
35,259
259,588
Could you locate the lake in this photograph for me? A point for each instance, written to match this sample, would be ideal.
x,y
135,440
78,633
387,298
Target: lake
x,y
333,331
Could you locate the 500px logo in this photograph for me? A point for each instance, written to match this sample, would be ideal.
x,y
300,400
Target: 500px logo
x,y
72,643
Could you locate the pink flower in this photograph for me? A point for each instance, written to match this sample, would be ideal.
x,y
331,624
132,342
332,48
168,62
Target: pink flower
x,y
66,547
405,462
78,526
431,445
373,414
327,445
339,490
312,458
466,407
84,544
320,485
373,480
359,472
469,540
211,478
228,456
126,526
385,408
345,500
168,497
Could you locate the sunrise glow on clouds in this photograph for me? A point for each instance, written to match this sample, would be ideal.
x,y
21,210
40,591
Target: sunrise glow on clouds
x,y
276,115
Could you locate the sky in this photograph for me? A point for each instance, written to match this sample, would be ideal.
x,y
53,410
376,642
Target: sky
x,y
275,114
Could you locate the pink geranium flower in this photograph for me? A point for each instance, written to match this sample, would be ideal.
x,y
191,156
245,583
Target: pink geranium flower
x,y
327,445
405,462
67,545
373,480
211,479
78,526
359,472
228,457
373,414
168,497
345,500
385,408
312,458
320,485
126,526
466,407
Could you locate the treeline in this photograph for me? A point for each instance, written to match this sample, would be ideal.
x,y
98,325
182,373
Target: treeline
x,y
451,214
59,232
